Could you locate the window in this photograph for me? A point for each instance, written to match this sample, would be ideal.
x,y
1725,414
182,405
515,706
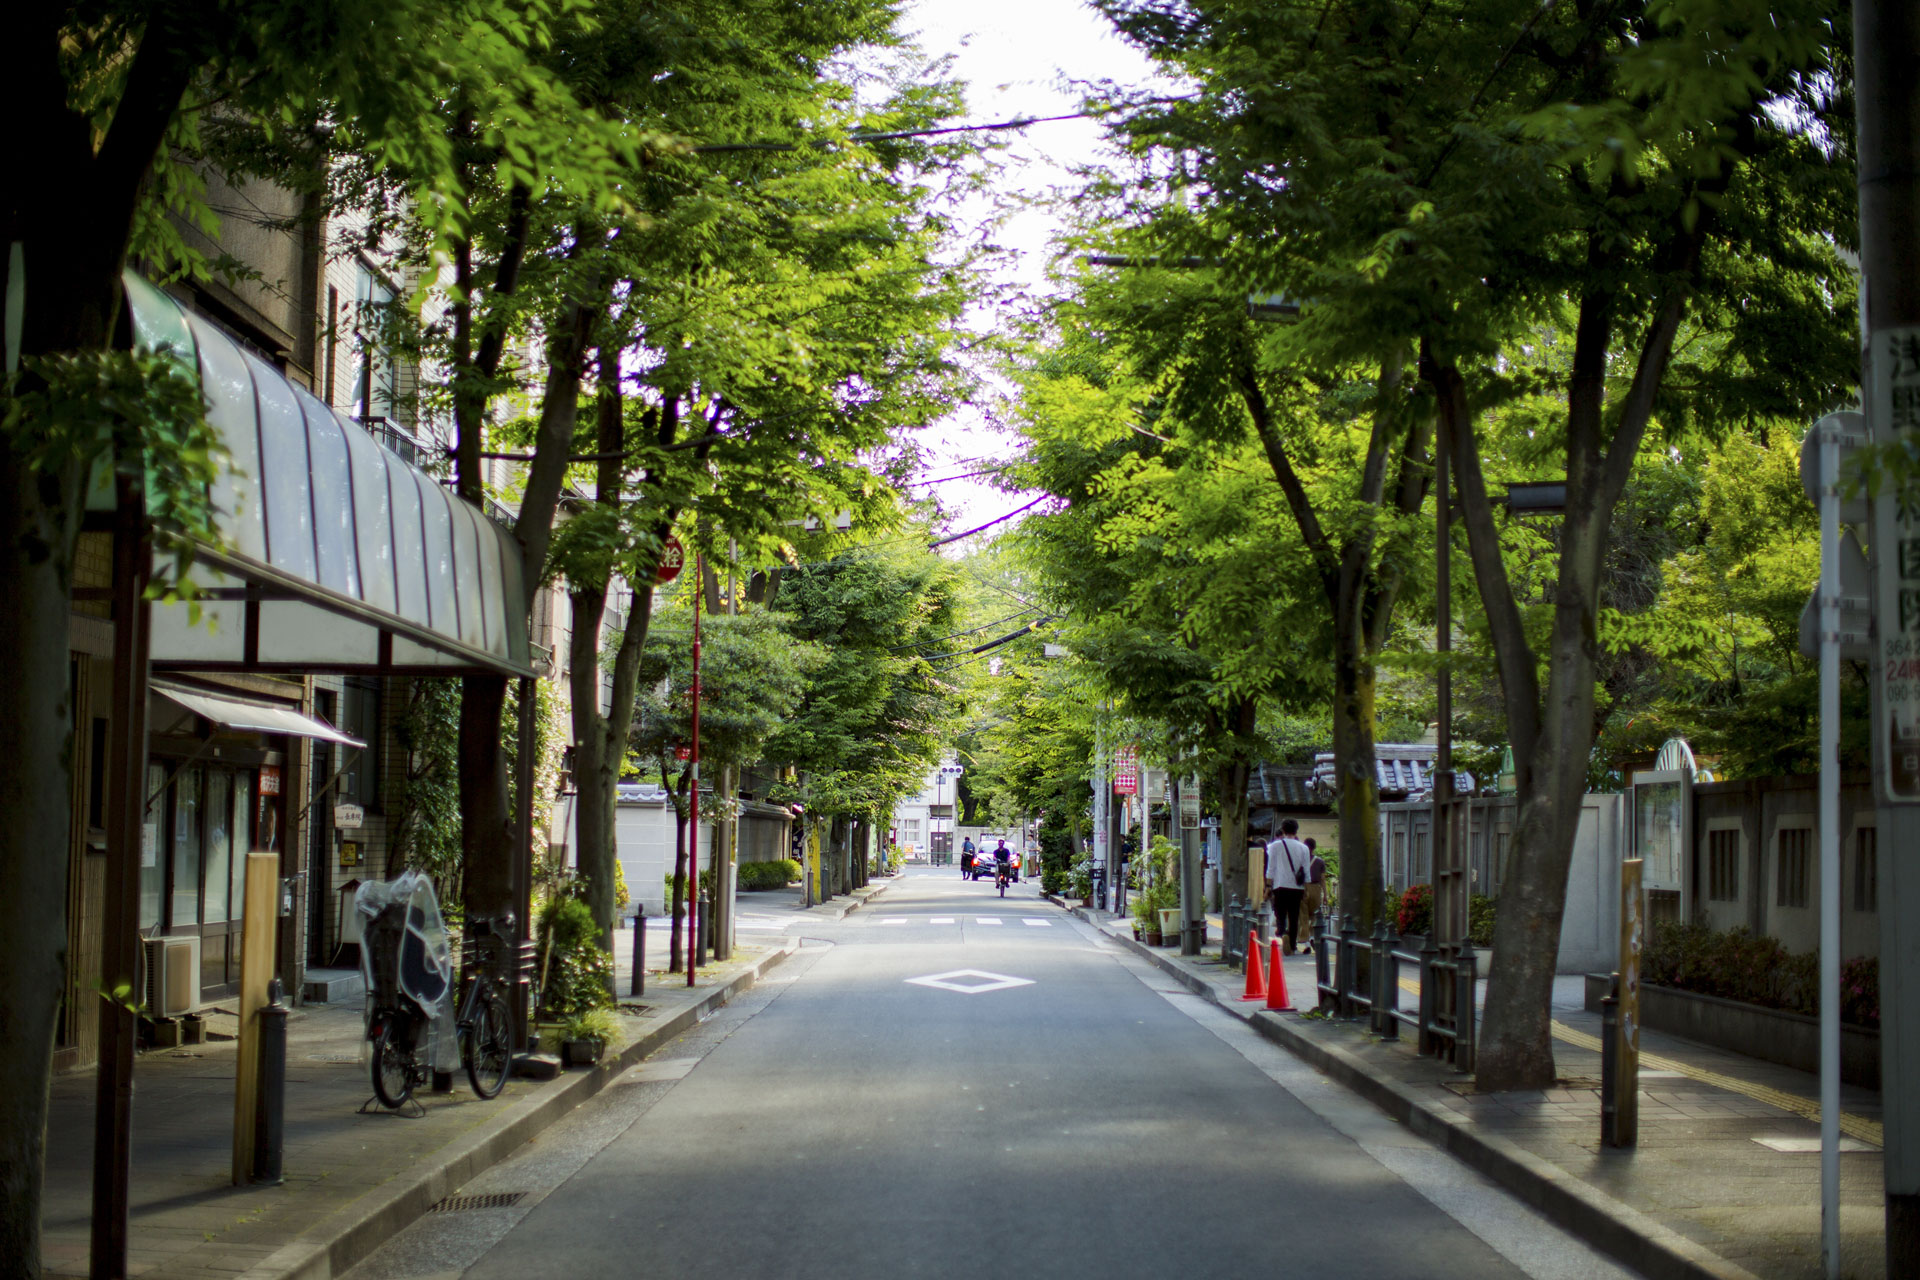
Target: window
x,y
1723,865
911,829
375,383
1792,868
360,717
1866,869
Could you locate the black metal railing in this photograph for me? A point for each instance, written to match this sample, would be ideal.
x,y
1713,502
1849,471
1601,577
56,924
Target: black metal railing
x,y
1443,1020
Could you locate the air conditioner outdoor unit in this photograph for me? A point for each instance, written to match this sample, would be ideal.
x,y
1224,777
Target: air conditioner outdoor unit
x,y
172,985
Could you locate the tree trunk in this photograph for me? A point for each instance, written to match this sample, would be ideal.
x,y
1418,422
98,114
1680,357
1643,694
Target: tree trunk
x,y
1232,779
1362,888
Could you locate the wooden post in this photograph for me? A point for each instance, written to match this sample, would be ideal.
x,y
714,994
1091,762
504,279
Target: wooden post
x,y
260,913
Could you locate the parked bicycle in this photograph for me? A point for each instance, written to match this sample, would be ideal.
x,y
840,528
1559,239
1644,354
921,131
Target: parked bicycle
x,y
406,956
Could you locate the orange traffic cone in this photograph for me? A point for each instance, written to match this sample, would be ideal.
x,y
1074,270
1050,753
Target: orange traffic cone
x,y
1277,997
1256,980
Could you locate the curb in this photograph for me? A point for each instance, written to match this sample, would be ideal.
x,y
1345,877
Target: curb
x,y
409,1196
1616,1229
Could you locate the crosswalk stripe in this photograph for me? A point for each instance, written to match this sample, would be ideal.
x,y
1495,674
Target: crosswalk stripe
x,y
941,920
986,919
1038,924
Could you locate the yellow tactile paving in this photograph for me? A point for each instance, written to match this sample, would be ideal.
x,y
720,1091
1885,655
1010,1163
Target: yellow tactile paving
x,y
1853,1126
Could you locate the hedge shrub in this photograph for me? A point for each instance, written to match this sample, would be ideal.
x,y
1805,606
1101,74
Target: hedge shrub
x,y
1741,965
777,874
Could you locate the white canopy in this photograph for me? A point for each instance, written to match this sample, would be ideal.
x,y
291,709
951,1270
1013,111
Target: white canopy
x,y
250,716
338,555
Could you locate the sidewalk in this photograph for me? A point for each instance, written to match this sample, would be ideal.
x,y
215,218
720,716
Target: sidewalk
x,y
1725,1181
352,1178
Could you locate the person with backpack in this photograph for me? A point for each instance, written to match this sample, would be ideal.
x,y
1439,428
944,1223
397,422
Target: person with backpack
x,y
1288,864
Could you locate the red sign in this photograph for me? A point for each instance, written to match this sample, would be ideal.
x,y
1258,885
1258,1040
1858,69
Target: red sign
x,y
673,557
683,753
269,779
1126,771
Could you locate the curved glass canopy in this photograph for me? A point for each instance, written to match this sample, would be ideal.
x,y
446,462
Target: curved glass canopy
x,y
338,555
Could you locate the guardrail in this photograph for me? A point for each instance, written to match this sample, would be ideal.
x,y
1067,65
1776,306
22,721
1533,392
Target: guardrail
x,y
1443,1027
1239,918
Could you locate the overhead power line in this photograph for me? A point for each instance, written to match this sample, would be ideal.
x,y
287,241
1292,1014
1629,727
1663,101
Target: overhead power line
x,y
989,524
1019,122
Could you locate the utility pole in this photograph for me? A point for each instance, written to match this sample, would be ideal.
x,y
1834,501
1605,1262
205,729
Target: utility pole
x,y
1886,47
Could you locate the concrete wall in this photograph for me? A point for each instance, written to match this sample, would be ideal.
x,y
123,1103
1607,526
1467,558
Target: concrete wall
x,y
644,832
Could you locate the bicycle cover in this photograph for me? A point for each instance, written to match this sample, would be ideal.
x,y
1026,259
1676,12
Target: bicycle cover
x,y
404,914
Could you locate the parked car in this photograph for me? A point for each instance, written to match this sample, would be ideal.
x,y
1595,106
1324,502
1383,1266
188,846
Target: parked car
x,y
983,866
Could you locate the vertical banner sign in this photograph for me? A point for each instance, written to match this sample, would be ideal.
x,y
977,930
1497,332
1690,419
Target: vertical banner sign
x,y
1633,933
1894,413
1126,771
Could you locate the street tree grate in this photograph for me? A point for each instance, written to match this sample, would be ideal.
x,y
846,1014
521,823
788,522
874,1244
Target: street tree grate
x,y
461,1204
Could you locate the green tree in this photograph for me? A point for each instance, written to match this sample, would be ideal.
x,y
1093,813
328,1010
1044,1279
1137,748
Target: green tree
x,y
110,103
1472,178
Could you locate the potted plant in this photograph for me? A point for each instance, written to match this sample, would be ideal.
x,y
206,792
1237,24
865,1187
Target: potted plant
x,y
585,1035
1146,926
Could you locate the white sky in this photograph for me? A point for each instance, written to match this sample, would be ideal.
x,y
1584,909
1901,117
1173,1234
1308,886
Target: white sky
x,y
1014,56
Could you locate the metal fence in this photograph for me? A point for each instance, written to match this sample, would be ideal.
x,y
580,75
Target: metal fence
x,y
1443,1020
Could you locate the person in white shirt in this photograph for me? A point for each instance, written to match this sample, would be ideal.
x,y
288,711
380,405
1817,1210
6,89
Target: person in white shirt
x,y
1288,861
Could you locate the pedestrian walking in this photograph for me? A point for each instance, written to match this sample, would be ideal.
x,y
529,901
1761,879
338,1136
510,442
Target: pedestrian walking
x,y
1315,895
966,857
1287,863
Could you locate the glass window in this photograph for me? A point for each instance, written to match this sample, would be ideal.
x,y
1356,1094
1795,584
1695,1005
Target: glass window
x,y
219,844
242,837
151,825
186,848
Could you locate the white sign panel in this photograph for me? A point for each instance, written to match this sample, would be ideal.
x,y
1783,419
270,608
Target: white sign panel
x,y
348,816
1894,411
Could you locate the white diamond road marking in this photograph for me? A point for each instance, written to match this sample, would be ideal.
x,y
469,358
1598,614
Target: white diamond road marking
x,y
1038,924
986,919
971,982
941,920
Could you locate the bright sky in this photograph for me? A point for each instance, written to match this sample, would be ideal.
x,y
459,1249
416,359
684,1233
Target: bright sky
x,y
1015,56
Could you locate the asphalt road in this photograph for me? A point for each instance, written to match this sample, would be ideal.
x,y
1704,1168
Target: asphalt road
x,y
949,1084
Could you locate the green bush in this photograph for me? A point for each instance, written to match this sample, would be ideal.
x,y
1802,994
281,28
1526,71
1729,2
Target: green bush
x,y
576,973
1480,910
1755,969
674,880
777,874
1053,880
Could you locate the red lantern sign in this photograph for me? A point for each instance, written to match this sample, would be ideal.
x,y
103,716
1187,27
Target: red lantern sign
x,y
673,557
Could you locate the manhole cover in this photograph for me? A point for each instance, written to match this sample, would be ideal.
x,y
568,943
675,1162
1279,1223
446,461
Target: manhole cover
x,y
461,1204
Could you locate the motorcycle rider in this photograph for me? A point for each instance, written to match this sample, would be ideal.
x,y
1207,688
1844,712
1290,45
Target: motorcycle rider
x,y
1003,859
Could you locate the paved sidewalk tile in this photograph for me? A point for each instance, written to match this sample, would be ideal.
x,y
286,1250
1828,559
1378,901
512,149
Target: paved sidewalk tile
x,y
188,1220
1699,1170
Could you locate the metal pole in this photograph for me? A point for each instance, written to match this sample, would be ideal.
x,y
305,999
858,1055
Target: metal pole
x,y
120,942
1829,445
693,824
1886,45
639,983
270,1124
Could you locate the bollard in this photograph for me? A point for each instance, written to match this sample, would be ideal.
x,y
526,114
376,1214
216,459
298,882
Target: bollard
x,y
1319,936
1345,968
639,984
1610,1065
1467,977
1429,961
1377,1016
270,1107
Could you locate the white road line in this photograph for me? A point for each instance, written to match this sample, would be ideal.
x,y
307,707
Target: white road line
x,y
941,920
1037,924
892,920
986,919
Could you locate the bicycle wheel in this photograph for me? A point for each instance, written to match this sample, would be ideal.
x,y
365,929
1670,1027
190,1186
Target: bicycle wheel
x,y
392,1070
489,1052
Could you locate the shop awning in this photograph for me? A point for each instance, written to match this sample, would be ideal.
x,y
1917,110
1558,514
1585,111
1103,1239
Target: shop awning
x,y
338,555
249,716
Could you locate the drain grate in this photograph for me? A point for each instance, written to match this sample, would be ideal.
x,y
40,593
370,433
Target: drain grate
x,y
461,1204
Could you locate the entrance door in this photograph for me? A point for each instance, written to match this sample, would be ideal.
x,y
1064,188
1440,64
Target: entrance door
x,y
319,856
